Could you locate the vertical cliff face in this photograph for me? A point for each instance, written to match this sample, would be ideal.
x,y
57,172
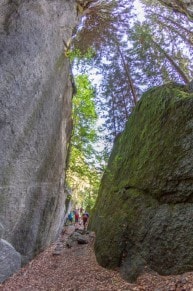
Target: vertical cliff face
x,y
35,119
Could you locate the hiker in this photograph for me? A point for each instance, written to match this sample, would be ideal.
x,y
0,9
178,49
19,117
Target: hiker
x,y
70,217
76,216
85,219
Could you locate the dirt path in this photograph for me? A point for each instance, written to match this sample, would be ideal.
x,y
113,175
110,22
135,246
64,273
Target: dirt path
x,y
76,269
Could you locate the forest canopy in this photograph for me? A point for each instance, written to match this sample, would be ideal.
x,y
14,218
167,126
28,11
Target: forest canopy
x,y
130,46
135,49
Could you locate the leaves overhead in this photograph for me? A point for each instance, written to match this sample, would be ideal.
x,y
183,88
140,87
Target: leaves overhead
x,y
180,6
130,51
134,50
99,23
83,175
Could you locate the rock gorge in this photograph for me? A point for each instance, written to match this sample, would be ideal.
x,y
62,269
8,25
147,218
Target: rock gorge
x,y
35,120
144,213
35,129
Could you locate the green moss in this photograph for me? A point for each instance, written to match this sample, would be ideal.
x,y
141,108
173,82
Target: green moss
x,y
143,171
119,218
155,127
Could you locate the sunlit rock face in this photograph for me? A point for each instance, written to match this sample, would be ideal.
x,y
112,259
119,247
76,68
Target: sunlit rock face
x,y
144,213
35,120
182,6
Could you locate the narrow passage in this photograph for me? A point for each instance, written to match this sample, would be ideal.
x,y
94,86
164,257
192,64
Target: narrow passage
x,y
74,268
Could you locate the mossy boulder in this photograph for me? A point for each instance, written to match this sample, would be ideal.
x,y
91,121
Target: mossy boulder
x,y
144,213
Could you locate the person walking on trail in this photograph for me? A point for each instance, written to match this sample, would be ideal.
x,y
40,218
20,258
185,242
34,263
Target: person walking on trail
x,y
76,217
70,217
85,219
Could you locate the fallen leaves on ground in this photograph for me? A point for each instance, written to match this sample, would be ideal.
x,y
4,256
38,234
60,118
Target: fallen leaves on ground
x,y
76,268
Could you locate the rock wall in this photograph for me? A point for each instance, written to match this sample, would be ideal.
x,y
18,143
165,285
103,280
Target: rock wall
x,y
144,213
35,119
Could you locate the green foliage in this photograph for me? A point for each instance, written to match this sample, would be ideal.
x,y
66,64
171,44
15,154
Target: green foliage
x,y
76,53
84,116
133,54
83,176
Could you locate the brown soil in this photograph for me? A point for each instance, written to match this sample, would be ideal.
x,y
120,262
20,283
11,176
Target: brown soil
x,y
76,268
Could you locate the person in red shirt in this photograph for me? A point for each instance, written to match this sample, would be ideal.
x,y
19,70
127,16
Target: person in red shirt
x,y
76,217
85,219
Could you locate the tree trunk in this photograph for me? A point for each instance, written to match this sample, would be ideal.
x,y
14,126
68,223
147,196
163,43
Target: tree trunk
x,y
175,23
172,62
125,106
175,30
128,74
114,119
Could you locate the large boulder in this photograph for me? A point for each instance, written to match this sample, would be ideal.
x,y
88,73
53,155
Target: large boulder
x,y
10,260
35,119
144,213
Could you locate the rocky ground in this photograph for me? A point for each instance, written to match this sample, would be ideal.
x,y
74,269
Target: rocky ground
x,y
67,265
